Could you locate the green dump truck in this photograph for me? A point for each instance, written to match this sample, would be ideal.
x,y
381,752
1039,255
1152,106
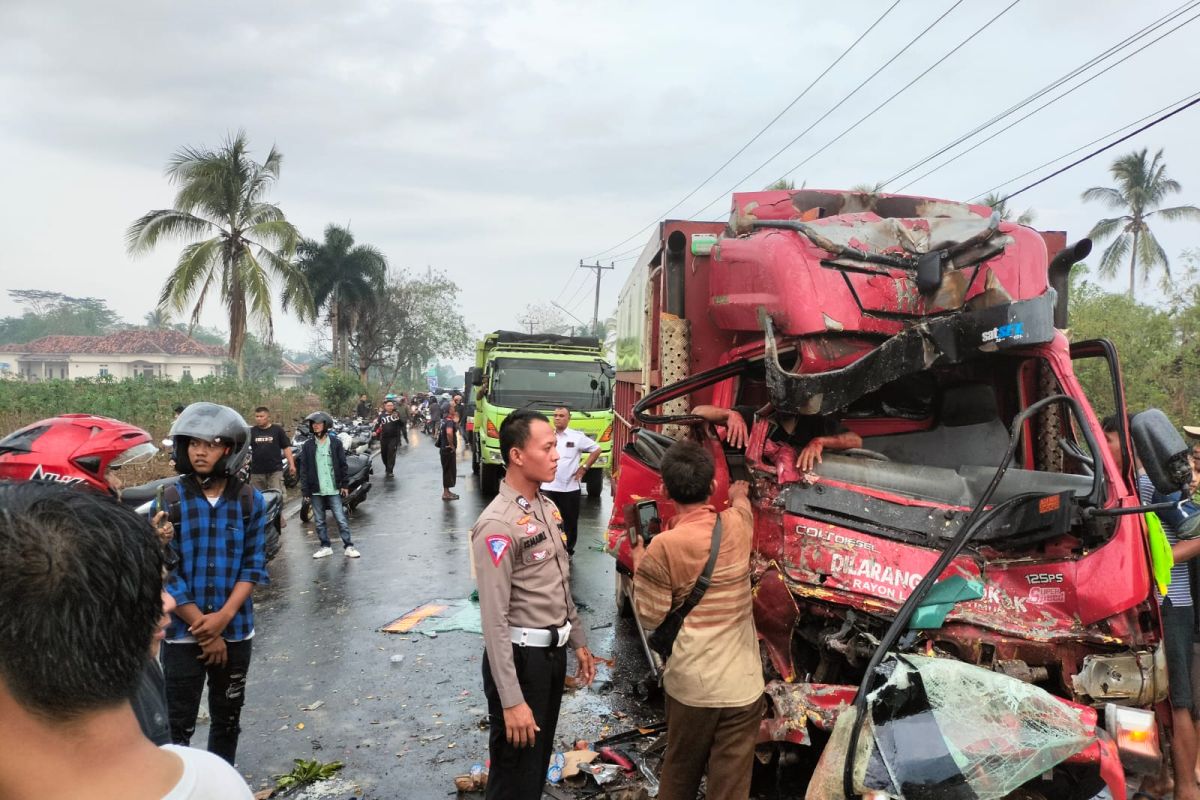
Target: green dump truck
x,y
539,371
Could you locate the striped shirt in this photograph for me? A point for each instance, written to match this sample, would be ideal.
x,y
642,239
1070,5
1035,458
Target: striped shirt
x,y
1180,590
715,661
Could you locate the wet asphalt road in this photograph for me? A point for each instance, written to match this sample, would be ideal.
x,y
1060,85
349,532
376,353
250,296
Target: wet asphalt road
x,y
403,730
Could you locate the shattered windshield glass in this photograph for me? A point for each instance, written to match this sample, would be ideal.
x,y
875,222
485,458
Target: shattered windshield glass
x,y
939,728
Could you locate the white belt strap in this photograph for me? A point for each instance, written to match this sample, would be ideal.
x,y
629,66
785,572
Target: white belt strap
x,y
539,637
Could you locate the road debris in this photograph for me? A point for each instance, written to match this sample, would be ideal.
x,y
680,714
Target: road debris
x,y
313,706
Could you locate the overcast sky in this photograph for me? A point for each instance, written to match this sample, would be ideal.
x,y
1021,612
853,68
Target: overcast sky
x,y
504,141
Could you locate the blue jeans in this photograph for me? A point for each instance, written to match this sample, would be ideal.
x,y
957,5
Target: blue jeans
x,y
330,502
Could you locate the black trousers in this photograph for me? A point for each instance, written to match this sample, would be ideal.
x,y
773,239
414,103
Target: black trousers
x,y
185,675
388,448
403,426
568,506
449,467
519,774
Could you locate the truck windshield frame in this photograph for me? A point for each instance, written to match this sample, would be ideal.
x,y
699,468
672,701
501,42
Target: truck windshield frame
x,y
516,382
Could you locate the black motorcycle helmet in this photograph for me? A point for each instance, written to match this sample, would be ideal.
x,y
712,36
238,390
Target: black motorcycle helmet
x,y
319,416
211,423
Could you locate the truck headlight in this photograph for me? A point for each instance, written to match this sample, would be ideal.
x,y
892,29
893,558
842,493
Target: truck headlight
x,y
1135,731
1138,679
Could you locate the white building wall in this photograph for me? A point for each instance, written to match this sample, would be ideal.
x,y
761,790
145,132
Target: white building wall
x,y
120,366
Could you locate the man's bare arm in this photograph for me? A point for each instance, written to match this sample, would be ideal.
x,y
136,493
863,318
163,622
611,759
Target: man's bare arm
x,y
736,432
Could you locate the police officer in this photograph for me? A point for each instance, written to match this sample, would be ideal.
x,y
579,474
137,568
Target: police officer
x,y
529,619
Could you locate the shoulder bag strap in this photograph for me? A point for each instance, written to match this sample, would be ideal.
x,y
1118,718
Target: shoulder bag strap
x,y
702,583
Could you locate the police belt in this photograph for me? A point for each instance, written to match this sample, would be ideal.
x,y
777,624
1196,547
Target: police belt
x,y
540,637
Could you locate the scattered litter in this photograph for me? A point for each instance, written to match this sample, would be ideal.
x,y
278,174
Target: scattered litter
x,y
602,626
264,794
601,773
614,756
397,659
574,759
554,773
438,616
408,621
313,706
476,781
299,726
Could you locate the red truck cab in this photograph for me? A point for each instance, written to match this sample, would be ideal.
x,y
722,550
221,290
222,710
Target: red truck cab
x,y
934,330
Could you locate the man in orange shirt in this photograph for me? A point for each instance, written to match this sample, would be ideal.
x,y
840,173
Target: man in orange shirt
x,y
713,678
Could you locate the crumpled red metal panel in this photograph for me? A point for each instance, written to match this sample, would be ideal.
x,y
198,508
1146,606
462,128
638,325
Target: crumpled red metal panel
x,y
775,616
796,705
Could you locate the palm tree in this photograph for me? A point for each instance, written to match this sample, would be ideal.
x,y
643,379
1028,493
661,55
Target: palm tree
x,y
160,319
244,242
996,202
1141,186
344,277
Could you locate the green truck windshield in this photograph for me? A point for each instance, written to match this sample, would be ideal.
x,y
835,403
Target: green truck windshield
x,y
581,386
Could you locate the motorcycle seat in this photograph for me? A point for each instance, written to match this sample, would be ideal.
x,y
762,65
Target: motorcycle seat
x,y
144,493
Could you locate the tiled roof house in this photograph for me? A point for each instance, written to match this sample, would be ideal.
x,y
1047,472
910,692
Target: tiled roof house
x,y
124,354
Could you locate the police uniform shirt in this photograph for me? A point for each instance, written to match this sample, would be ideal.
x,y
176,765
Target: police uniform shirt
x,y
523,573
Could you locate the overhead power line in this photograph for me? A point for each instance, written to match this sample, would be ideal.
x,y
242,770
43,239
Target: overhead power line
x,y
1095,153
1084,146
1077,71
756,136
873,111
1019,120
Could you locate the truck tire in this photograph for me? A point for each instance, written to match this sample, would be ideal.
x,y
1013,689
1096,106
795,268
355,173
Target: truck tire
x,y
624,606
475,455
595,482
489,479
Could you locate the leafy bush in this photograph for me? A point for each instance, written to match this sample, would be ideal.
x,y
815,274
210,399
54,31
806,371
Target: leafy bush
x,y
145,402
339,391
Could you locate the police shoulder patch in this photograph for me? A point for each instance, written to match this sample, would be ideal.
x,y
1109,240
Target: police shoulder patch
x,y
497,547
524,504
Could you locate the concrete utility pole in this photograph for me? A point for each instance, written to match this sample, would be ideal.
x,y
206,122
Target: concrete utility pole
x,y
596,308
528,321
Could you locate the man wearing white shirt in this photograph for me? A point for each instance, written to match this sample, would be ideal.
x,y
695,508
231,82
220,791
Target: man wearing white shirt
x,y
564,490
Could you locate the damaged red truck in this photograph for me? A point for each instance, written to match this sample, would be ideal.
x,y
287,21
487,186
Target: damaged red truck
x,y
1030,651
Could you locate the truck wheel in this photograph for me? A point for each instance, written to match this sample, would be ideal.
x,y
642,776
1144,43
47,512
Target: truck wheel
x,y
595,482
624,606
475,456
489,479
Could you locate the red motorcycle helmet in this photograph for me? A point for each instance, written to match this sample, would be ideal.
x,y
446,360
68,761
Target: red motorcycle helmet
x,y
73,449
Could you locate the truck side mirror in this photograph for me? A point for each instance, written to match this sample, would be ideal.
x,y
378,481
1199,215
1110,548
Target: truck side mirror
x,y
476,378
1162,450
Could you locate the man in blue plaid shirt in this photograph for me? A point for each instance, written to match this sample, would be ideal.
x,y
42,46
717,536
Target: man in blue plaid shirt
x,y
220,542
